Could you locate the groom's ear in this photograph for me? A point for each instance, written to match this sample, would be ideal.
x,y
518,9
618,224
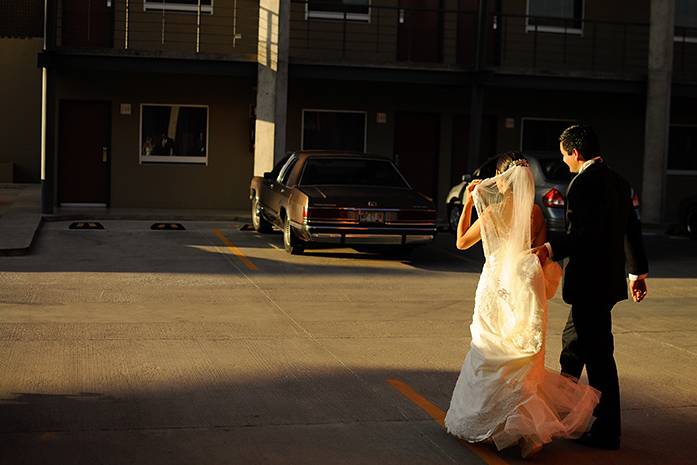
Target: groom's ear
x,y
577,155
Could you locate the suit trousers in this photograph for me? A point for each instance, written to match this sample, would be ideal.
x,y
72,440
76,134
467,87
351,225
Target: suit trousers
x,y
587,341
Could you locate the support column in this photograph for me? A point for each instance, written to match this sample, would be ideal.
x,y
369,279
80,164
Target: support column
x,y
477,96
657,121
272,84
48,112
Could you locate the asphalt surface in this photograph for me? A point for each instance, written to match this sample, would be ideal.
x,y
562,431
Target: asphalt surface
x,y
213,346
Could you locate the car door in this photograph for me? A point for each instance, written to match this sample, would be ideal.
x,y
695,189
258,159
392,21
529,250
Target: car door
x,y
277,190
266,195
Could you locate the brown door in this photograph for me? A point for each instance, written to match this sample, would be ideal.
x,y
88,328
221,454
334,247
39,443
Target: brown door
x,y
419,31
87,23
83,157
467,19
417,137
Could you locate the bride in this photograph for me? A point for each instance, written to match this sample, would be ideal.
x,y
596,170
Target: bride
x,y
504,393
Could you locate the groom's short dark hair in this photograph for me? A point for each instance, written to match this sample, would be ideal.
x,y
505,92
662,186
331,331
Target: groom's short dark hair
x,y
582,138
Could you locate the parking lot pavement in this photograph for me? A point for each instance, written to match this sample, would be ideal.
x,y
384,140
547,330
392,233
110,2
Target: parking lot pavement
x,y
212,345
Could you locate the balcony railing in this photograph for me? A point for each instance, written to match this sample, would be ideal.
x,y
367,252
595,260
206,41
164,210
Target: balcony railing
x,y
393,35
225,28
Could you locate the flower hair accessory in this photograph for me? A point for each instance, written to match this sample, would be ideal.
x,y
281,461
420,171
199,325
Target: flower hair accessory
x,y
521,162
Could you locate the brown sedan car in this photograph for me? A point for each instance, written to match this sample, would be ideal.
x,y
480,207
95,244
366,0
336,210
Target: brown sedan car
x,y
340,198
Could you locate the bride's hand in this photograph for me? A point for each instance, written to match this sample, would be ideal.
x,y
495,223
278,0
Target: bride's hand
x,y
470,188
542,253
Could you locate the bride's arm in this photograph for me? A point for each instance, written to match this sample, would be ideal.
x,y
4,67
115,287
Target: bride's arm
x,y
468,233
539,228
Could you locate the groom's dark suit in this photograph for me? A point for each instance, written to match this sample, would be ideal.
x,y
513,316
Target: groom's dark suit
x,y
602,243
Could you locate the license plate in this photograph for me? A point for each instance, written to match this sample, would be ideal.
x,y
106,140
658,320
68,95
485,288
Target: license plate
x,y
372,217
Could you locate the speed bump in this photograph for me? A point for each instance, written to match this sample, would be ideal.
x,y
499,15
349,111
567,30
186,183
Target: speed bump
x,y
86,225
167,227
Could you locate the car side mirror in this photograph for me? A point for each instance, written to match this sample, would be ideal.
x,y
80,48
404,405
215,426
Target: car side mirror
x,y
466,177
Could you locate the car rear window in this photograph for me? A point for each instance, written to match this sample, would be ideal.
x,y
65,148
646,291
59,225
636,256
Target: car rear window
x,y
555,170
355,172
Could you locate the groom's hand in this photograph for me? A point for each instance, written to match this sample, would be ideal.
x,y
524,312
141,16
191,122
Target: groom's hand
x,y
638,289
542,253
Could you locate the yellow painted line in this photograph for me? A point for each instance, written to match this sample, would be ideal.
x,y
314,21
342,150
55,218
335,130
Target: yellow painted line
x,y
481,451
232,248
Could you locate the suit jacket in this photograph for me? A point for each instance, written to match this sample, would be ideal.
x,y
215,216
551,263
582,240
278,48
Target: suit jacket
x,y
602,239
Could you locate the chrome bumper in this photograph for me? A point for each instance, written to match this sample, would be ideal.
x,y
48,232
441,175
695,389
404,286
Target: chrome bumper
x,y
368,236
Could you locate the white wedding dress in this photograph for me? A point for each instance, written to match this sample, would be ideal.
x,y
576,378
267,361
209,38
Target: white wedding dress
x,y
504,392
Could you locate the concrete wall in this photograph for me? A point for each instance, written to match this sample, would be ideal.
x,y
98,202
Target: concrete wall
x,y
223,183
20,120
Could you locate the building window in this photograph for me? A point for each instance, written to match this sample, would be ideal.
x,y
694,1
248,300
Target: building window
x,y
540,136
173,134
682,150
352,10
334,130
686,21
565,16
179,5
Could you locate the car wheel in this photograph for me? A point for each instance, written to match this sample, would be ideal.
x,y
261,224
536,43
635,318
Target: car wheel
x,y
691,223
455,211
258,222
292,244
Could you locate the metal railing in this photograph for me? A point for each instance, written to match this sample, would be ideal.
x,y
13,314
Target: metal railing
x,y
389,34
223,27
572,45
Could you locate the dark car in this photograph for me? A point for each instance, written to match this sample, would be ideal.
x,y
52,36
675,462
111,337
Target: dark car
x,y
340,198
552,177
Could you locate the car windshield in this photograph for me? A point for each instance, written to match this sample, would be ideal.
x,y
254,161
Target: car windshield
x,y
354,172
555,170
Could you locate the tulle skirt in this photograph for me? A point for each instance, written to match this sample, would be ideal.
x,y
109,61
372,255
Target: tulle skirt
x,y
509,399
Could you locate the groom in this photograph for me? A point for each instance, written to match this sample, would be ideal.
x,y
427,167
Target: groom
x,y
603,236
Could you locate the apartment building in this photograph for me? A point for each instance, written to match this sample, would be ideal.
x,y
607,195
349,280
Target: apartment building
x,y
176,104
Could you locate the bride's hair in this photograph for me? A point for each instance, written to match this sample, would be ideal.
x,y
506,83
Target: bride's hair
x,y
509,159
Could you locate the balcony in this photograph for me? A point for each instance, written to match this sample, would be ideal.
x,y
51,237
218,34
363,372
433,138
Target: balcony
x,y
436,38
220,30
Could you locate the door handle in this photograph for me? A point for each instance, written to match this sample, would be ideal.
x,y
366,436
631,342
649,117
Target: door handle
x,y
104,154
401,16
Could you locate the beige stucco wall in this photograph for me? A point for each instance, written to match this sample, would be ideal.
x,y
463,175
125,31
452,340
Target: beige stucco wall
x,y
222,184
20,120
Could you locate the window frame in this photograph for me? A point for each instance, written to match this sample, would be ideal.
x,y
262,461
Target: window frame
x,y
336,16
688,39
302,125
555,29
174,6
680,172
173,159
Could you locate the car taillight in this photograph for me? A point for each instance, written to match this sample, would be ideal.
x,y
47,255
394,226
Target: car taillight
x,y
553,198
635,199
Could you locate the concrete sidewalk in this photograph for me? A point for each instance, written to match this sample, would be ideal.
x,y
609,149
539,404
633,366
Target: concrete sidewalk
x,y
21,218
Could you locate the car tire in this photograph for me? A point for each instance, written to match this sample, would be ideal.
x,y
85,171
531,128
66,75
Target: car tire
x,y
691,223
454,213
259,223
291,243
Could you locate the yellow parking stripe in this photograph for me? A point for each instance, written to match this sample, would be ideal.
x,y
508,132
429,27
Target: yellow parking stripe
x,y
238,253
483,452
